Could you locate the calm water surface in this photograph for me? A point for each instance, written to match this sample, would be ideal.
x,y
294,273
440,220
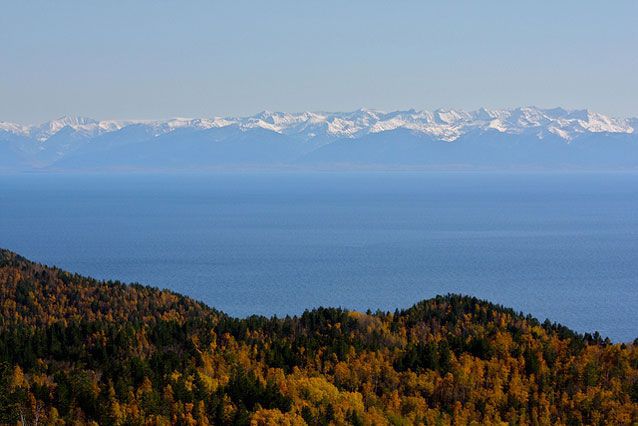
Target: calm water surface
x,y
558,246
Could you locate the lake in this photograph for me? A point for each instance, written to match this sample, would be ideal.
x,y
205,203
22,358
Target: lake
x,y
562,246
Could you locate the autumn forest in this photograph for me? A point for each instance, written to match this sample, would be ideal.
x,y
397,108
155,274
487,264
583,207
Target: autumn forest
x,y
75,351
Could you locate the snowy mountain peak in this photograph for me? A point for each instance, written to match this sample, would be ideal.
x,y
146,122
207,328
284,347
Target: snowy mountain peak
x,y
50,128
14,128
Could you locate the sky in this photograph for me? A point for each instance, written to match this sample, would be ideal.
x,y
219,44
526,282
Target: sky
x,y
160,59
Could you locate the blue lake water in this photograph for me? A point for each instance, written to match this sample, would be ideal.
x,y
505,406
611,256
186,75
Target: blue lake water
x,y
562,246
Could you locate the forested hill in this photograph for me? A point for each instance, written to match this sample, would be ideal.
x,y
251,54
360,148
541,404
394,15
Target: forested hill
x,y
74,350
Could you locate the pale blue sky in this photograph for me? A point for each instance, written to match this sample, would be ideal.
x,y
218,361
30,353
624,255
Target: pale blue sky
x,y
159,59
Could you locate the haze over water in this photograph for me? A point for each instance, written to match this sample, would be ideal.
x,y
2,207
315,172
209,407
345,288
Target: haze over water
x,y
557,245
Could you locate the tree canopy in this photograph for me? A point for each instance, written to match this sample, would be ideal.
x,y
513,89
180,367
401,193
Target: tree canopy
x,y
74,350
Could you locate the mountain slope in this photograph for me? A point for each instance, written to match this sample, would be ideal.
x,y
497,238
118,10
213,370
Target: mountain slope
x,y
520,137
76,349
11,155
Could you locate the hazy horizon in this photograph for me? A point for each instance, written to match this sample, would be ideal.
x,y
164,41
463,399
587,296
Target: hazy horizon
x,y
152,60
311,111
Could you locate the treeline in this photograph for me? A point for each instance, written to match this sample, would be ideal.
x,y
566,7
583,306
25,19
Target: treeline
x,y
79,351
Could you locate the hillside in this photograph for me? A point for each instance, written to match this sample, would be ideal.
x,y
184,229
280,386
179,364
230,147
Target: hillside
x,y
74,350
524,137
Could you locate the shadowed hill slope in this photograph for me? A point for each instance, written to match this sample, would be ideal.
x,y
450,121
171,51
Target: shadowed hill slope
x,y
73,349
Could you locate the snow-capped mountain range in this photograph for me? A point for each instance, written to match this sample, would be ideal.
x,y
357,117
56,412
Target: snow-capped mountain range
x,y
399,137
447,125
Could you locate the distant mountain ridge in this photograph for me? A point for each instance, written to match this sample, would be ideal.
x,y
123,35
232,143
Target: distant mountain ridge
x,y
525,136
